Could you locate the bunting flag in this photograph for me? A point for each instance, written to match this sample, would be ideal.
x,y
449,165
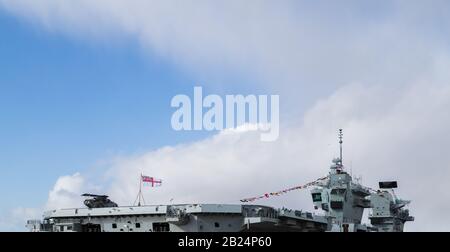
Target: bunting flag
x,y
268,195
151,181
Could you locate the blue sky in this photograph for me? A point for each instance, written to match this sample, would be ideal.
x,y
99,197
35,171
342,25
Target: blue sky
x,y
66,104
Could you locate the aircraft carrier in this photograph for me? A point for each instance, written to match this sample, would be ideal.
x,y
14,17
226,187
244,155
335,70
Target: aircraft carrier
x,y
342,200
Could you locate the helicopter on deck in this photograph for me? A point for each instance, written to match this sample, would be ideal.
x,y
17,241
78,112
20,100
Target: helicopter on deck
x,y
98,201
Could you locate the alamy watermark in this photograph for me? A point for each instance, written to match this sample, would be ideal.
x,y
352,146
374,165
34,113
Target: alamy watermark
x,y
235,111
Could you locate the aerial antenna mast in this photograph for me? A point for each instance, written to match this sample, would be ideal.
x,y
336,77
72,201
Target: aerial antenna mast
x,y
341,135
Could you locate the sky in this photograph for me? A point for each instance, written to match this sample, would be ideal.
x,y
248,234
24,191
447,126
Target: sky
x,y
86,89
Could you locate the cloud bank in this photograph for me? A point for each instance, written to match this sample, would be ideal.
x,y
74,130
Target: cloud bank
x,y
378,71
310,47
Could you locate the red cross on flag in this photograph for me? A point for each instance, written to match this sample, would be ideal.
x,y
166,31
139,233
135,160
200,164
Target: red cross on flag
x,y
151,181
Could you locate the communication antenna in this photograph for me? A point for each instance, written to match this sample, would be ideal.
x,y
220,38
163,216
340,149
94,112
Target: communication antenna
x,y
351,168
341,135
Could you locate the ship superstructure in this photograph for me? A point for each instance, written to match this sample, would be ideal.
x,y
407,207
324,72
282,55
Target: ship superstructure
x,y
342,200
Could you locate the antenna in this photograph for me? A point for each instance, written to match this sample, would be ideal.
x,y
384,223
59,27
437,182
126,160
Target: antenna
x,y
341,135
351,168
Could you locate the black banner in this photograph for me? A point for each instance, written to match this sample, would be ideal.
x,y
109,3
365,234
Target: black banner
x,y
134,242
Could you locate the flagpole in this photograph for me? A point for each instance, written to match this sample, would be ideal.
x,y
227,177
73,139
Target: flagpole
x,y
140,189
140,195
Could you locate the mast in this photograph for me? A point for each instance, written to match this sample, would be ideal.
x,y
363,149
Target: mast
x,y
140,195
340,146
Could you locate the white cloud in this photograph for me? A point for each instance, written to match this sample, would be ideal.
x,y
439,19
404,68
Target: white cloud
x,y
66,192
306,47
395,120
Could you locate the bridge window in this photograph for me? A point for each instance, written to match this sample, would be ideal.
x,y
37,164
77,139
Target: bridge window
x,y
336,204
338,191
138,225
216,224
316,197
114,225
